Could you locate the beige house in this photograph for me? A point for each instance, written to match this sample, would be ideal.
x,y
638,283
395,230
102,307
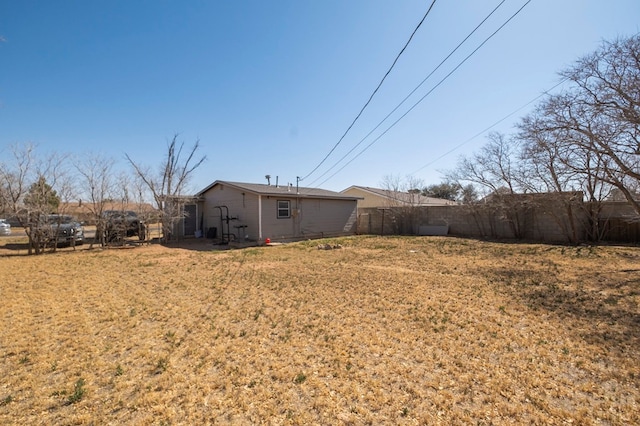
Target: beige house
x,y
377,197
249,211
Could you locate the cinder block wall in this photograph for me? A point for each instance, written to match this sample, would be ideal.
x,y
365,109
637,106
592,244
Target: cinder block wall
x,y
546,223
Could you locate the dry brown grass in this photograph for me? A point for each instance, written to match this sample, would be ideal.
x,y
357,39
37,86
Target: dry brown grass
x,y
382,331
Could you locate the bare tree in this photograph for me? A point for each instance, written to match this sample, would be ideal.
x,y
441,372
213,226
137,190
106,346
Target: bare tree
x,y
604,108
588,138
15,177
97,182
496,171
66,189
31,189
139,196
50,193
585,140
560,161
404,198
168,185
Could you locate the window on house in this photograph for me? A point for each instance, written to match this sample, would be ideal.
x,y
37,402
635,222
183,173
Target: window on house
x,y
284,209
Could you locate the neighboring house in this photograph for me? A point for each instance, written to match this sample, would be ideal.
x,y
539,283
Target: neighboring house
x,y
235,210
377,197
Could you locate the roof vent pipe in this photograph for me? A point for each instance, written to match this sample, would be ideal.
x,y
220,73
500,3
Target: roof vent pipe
x,y
276,181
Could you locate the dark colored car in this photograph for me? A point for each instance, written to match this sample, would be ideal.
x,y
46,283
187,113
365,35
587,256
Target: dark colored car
x,y
123,223
62,229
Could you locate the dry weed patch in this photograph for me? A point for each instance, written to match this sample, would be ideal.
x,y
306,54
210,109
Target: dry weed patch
x,y
382,330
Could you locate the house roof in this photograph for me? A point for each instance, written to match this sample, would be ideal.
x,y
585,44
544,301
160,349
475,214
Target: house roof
x,y
281,190
402,197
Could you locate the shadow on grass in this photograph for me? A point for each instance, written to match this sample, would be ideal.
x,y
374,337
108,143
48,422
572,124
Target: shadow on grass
x,y
202,244
606,303
16,246
612,323
22,249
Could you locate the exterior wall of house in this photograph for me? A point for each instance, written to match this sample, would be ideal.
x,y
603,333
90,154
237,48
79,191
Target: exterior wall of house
x,y
372,199
274,228
309,217
328,217
369,199
242,207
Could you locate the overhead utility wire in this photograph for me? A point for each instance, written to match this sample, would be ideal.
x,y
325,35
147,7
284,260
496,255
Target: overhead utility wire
x,y
372,94
410,94
546,92
418,102
428,93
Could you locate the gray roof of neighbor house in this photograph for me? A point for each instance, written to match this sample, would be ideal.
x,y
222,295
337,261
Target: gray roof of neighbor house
x,y
403,197
281,190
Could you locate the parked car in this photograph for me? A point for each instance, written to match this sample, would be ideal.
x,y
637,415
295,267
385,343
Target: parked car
x,y
62,229
5,228
123,223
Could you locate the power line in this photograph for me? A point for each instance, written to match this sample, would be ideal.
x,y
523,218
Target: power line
x,y
372,94
546,92
428,93
410,94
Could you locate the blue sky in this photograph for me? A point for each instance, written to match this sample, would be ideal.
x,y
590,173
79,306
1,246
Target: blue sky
x,y
269,87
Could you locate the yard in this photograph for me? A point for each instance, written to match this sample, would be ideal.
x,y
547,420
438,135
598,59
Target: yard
x,y
378,330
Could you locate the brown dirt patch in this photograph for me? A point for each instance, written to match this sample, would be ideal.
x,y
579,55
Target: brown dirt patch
x,y
386,330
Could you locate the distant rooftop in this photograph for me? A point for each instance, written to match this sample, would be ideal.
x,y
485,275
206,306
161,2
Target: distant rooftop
x,y
403,197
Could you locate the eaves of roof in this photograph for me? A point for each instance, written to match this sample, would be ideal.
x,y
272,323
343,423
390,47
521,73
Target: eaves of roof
x,y
282,190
